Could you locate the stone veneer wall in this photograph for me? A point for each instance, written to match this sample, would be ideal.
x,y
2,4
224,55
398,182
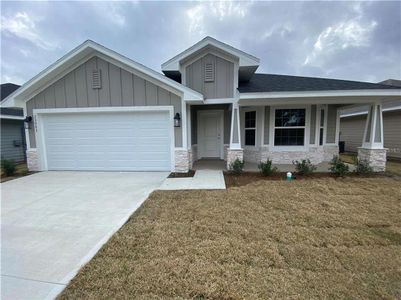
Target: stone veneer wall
x,y
314,154
32,159
376,158
233,154
182,160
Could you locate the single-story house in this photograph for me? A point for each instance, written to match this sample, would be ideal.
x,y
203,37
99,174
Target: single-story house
x,y
11,128
95,109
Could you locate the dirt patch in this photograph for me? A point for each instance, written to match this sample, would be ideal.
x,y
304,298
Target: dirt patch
x,y
190,173
271,239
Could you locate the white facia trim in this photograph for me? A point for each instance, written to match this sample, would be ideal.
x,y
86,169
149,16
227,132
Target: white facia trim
x,y
220,101
313,94
38,115
10,117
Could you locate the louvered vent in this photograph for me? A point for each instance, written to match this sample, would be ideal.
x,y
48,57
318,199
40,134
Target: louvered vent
x,y
96,79
209,72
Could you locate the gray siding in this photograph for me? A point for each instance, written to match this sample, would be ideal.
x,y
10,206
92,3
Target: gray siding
x,y
352,129
223,84
267,124
194,121
12,130
312,125
119,88
331,124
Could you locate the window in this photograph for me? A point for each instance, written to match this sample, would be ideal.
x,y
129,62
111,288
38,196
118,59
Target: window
x,y
289,127
321,128
209,72
250,128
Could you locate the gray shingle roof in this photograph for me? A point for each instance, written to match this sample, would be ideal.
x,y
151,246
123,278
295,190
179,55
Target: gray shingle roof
x,y
285,83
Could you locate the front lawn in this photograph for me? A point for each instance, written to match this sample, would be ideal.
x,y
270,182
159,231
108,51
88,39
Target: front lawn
x,y
306,239
393,167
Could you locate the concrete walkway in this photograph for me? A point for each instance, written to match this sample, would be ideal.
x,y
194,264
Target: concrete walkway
x,y
52,223
202,180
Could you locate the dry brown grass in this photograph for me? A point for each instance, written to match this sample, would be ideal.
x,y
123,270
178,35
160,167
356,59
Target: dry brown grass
x,y
307,239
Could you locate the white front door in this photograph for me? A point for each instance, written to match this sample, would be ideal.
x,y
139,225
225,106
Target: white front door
x,y
210,134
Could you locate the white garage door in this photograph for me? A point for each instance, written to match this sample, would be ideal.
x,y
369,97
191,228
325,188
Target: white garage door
x,y
129,141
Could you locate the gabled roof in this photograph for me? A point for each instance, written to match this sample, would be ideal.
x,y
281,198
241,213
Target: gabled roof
x,y
245,59
78,54
260,83
7,89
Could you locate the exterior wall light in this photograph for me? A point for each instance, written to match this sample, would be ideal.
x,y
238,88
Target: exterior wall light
x,y
177,120
27,122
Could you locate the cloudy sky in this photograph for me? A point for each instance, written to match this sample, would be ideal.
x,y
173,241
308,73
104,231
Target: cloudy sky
x,y
347,40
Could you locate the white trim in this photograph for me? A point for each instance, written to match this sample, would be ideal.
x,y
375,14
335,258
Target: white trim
x,y
200,142
11,117
206,52
337,133
82,52
245,59
220,101
272,127
189,126
313,94
27,138
398,107
184,125
234,108
39,113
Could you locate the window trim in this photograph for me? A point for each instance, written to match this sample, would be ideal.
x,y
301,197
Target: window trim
x,y
305,146
320,108
250,128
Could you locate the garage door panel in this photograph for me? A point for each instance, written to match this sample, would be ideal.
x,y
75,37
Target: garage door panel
x,y
134,141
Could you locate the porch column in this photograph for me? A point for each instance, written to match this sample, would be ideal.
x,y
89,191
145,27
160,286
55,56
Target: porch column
x,y
372,149
234,151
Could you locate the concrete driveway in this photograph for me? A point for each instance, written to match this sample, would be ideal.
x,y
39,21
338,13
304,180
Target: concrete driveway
x,y
54,222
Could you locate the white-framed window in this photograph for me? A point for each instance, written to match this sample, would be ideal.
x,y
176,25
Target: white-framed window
x,y
321,127
289,126
250,128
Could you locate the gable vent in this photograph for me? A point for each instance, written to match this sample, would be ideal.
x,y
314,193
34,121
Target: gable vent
x,y
209,72
96,79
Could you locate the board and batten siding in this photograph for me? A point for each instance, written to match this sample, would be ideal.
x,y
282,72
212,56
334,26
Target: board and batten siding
x,y
12,140
352,129
223,84
118,88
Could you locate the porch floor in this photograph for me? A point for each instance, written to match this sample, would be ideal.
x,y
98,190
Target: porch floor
x,y
209,164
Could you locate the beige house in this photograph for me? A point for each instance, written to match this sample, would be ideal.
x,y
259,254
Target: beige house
x,y
95,109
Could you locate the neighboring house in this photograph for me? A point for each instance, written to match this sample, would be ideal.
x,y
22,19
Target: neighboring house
x,y
12,128
353,121
95,109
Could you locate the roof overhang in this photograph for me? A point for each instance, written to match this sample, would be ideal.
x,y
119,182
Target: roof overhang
x,y
11,117
79,55
245,59
319,97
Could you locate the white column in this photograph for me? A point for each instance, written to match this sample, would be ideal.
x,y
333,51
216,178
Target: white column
x,y
372,150
235,151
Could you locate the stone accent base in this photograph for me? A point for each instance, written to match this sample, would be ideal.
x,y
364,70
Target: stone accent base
x,y
315,154
32,159
183,161
376,158
233,154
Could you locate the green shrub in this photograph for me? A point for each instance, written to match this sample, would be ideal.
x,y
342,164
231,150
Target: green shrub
x,y
9,167
266,168
304,167
237,166
338,167
362,166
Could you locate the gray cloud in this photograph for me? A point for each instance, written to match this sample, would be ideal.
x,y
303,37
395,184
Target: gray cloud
x,y
349,40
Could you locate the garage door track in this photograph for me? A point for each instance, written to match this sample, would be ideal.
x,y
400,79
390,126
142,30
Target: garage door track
x,y
54,222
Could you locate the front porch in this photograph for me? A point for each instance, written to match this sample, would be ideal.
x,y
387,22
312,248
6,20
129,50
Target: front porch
x,y
218,134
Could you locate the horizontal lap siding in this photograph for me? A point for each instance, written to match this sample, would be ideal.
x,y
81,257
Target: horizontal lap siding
x,y
119,88
12,130
352,129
